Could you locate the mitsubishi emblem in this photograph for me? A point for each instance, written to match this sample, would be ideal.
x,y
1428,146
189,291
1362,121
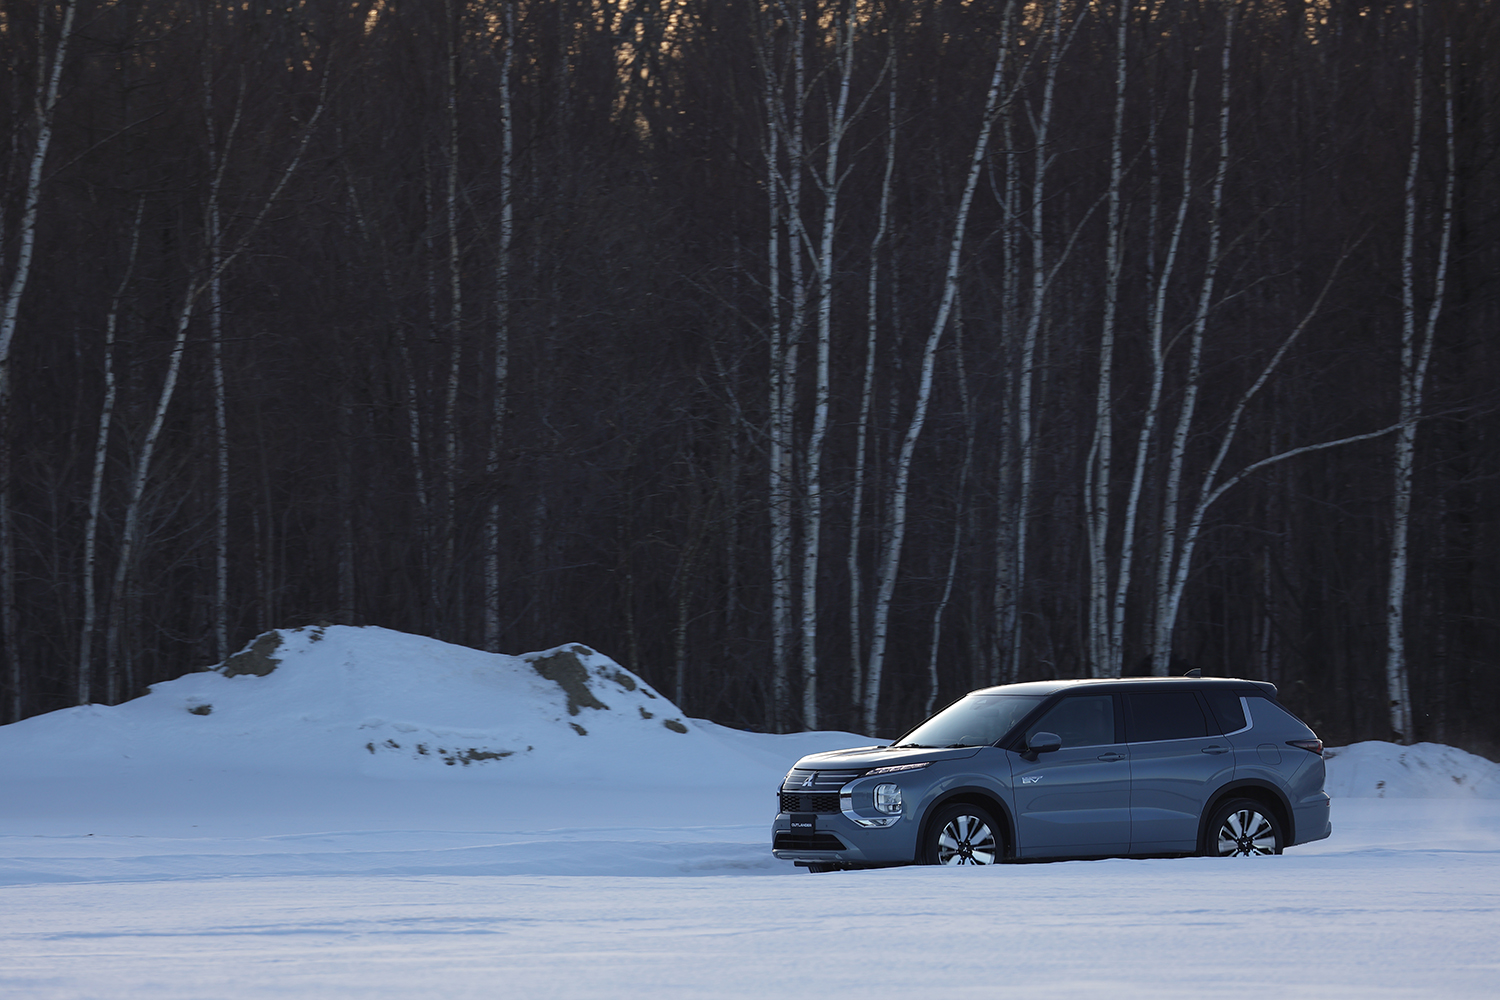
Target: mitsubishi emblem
x,y
807,782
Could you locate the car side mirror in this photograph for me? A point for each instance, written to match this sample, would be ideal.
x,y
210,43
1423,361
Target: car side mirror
x,y
1039,743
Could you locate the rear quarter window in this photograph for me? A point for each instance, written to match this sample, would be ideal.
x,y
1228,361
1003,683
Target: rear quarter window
x,y
1164,715
1228,710
1269,714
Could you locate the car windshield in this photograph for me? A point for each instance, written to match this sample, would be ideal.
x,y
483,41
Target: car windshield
x,y
978,720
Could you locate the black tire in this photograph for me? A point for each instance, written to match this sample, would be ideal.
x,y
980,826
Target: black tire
x,y
1243,828
962,834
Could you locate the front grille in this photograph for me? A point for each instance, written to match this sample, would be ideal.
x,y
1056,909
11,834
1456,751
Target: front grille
x,y
812,782
798,802
807,842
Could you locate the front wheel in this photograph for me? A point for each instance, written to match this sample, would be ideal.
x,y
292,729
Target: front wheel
x,y
961,834
1242,828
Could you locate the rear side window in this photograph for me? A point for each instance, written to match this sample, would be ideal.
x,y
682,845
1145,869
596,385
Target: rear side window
x,y
1227,709
1164,715
1270,713
1087,721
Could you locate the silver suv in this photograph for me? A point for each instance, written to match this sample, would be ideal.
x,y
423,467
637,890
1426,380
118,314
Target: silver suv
x,y
1066,769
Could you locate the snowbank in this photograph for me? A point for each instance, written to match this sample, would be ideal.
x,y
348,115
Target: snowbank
x,y
341,728
1421,771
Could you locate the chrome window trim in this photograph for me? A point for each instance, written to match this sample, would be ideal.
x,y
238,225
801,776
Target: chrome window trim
x,y
1249,722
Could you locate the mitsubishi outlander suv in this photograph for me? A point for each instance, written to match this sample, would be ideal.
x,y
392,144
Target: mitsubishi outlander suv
x,y
1066,769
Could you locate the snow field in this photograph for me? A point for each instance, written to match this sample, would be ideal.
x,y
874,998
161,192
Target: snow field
x,y
262,849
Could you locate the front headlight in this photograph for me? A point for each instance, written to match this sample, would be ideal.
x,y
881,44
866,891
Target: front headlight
x,y
888,798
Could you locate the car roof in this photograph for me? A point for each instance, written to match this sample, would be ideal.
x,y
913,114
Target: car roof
x,y
1111,684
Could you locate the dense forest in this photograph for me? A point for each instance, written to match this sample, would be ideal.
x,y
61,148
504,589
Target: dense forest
x,y
819,360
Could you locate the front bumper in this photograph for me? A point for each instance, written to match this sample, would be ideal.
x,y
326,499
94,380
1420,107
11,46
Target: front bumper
x,y
837,840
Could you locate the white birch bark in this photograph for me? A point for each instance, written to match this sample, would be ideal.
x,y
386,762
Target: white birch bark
x,y
455,332
890,562
934,650
778,486
812,459
1004,599
84,674
1416,353
1168,556
1156,323
867,392
1010,635
49,81
1099,473
213,237
786,114
500,375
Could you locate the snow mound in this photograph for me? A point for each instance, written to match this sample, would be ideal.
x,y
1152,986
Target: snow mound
x,y
384,703
1422,771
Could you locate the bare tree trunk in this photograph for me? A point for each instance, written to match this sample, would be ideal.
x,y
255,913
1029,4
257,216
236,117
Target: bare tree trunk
x,y
447,562
778,488
1004,599
812,461
83,683
935,647
1012,567
867,394
1416,353
501,373
891,559
1161,646
1156,321
49,78
1099,473
785,189
216,159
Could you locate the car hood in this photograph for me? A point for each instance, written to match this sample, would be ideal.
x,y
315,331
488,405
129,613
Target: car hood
x,y
882,756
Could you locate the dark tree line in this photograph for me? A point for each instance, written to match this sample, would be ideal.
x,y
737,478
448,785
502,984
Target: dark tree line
x,y
818,359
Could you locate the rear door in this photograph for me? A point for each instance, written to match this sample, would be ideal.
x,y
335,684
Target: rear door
x,y
1177,759
1075,801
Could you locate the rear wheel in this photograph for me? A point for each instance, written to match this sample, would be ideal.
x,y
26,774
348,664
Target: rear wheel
x,y
1241,828
962,834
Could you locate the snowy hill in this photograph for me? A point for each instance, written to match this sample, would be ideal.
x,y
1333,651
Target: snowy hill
x,y
340,728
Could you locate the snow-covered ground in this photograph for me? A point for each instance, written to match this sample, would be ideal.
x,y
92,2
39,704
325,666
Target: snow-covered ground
x,y
382,815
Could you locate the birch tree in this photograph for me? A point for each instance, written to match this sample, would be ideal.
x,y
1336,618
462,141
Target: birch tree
x,y
1417,336
1015,519
500,374
783,194
50,60
84,672
1168,556
890,560
812,521
1099,472
863,424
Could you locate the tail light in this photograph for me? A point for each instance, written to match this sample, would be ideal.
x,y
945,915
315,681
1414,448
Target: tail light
x,y
1311,746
